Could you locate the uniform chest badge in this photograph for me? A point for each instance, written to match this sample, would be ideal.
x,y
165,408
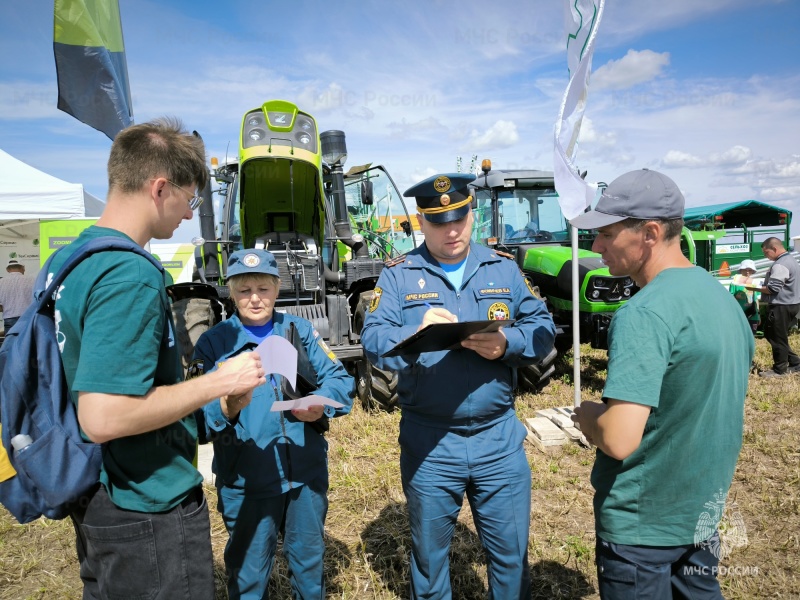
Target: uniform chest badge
x,y
421,283
498,312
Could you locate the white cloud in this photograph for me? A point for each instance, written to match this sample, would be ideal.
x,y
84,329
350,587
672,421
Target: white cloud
x,y
678,159
591,135
502,134
630,70
734,156
788,169
777,194
404,129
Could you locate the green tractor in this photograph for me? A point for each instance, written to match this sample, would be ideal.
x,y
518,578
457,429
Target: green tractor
x,y
517,212
287,193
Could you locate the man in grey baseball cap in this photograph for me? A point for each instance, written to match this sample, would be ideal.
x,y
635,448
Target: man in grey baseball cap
x,y
642,194
678,363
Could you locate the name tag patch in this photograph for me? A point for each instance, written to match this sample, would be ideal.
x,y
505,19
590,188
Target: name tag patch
x,y
494,291
425,296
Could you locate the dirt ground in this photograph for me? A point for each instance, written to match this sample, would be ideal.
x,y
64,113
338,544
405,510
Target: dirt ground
x,y
367,534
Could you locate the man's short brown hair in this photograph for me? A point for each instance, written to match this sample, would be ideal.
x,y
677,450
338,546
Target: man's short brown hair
x,y
159,148
672,227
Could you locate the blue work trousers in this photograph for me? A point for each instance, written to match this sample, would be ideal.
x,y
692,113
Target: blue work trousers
x,y
253,525
499,493
688,572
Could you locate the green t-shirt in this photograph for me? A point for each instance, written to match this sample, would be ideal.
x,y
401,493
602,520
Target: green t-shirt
x,y
682,346
116,336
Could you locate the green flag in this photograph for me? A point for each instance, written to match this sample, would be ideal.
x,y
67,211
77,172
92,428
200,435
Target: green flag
x,y
90,64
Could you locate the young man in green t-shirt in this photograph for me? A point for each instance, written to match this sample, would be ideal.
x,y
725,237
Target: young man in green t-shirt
x,y
145,531
669,430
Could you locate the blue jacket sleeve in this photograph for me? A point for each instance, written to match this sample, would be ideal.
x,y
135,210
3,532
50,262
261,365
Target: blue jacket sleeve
x,y
332,378
210,419
531,337
383,326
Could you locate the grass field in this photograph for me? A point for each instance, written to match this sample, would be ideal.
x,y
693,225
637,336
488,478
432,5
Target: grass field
x,y
368,541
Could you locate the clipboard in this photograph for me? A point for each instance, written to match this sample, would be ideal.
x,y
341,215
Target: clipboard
x,y
444,336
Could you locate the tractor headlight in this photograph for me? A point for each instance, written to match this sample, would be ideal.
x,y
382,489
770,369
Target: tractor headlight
x,y
257,135
596,294
255,121
304,138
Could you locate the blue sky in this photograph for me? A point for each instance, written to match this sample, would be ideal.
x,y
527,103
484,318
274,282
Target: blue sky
x,y
708,93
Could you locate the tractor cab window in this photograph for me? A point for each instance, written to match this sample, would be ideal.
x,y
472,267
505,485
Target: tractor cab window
x,y
233,214
376,210
530,215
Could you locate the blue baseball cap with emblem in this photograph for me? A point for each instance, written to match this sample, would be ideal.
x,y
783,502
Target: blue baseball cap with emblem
x,y
251,261
443,198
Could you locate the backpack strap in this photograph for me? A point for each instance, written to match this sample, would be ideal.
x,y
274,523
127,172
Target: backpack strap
x,y
43,291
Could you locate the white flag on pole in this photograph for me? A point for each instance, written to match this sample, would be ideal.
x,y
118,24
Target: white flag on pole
x,y
582,18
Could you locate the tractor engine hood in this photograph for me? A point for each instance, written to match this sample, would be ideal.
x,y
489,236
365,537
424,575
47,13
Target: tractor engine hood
x,y
550,267
555,260
280,197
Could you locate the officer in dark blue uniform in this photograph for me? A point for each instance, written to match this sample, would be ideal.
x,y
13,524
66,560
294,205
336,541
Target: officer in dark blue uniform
x,y
271,466
459,433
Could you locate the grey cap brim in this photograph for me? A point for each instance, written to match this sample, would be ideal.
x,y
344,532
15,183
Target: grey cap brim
x,y
595,220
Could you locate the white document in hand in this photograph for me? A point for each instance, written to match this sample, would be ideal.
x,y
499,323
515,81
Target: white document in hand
x,y
304,403
278,355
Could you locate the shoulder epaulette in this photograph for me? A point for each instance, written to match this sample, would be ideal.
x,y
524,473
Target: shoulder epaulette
x,y
394,261
504,254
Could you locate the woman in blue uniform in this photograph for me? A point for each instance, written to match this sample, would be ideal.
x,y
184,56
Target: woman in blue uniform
x,y
271,467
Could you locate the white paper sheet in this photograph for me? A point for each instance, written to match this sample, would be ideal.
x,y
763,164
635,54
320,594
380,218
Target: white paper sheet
x,y
304,403
278,355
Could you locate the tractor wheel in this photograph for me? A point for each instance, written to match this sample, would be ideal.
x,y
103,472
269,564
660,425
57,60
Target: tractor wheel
x,y
377,389
193,317
535,377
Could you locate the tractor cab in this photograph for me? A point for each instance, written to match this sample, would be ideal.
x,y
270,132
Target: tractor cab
x,y
517,212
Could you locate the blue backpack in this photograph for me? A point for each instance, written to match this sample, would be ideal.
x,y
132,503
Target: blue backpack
x,y
58,469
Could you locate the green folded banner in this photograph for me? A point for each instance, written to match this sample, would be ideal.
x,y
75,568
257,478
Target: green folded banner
x,y
90,64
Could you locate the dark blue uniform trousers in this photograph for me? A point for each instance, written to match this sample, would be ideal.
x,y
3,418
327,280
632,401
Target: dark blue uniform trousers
x,y
499,493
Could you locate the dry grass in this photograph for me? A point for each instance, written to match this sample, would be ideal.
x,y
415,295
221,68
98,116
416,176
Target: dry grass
x,y
368,540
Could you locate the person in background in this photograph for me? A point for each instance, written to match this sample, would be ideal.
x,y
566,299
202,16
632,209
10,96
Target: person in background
x,y
145,532
781,292
16,293
668,434
460,433
746,297
271,466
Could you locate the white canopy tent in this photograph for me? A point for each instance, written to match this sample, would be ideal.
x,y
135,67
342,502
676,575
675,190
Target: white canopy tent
x,y
27,196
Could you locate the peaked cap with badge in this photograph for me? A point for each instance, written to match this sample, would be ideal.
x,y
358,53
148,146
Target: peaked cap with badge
x,y
251,261
443,198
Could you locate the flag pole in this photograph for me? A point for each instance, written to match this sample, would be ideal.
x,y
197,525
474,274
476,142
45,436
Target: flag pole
x,y
576,324
575,195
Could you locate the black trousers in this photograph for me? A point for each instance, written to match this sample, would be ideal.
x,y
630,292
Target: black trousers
x,y
128,554
776,331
